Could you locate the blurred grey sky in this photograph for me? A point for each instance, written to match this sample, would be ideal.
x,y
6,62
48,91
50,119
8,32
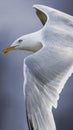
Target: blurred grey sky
x,y
17,17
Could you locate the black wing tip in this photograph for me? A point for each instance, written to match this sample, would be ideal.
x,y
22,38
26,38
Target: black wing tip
x,y
30,124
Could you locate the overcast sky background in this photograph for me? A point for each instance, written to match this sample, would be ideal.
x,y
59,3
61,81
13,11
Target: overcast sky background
x,y
17,17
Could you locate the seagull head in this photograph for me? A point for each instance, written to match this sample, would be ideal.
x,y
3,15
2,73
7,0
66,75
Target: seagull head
x,y
18,44
27,42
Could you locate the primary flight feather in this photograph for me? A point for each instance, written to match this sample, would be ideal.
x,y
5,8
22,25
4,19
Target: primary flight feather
x,y
47,70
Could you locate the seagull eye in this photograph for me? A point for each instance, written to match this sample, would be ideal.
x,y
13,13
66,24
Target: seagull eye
x,y
20,40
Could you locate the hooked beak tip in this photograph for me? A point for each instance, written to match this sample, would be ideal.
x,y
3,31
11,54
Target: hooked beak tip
x,y
6,50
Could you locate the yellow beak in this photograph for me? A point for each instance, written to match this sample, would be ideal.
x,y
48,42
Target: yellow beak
x,y
6,50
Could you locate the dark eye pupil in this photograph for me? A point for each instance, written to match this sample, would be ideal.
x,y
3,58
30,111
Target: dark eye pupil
x,y
20,40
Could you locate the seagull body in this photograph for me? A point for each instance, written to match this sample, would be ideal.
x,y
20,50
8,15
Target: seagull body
x,y
47,70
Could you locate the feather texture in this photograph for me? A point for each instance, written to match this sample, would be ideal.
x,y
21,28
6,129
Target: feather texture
x,y
47,70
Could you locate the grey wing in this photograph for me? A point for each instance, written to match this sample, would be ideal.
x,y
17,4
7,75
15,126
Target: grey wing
x,y
46,73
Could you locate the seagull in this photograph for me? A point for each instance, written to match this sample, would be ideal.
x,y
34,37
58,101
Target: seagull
x,y
48,68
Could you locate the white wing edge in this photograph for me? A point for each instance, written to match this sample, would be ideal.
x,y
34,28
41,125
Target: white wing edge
x,y
51,124
65,78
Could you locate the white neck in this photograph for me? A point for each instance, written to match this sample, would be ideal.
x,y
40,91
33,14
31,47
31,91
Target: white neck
x,y
31,42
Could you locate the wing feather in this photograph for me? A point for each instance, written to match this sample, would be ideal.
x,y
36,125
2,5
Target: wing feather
x,y
46,75
47,71
41,14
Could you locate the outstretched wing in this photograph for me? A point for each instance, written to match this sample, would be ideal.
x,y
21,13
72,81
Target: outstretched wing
x,y
46,73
